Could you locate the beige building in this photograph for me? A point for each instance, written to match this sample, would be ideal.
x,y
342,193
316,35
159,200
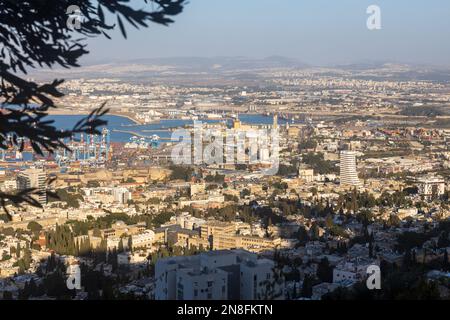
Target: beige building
x,y
120,228
306,174
213,228
251,243
222,235
34,179
197,188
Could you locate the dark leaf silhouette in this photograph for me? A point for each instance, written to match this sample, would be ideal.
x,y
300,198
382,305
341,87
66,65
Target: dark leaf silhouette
x,y
122,28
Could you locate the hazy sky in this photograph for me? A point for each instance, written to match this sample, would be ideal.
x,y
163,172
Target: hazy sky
x,y
314,31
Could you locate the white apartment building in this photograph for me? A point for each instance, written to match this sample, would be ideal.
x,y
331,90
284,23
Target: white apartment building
x,y
121,195
348,173
355,270
9,185
257,280
144,239
129,258
216,275
206,200
203,284
431,186
403,213
187,221
33,179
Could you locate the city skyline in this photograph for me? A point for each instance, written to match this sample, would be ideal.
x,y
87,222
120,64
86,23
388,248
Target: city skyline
x,y
319,169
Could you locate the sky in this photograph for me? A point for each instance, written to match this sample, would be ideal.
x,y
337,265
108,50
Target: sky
x,y
317,32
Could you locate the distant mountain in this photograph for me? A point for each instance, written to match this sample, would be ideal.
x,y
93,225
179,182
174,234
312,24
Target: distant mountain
x,y
205,69
172,66
382,70
222,62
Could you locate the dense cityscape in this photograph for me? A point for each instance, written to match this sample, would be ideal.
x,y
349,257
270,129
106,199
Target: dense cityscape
x,y
223,159
362,180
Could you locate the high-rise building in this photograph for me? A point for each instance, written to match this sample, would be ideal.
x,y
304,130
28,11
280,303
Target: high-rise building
x,y
33,179
121,195
348,173
306,174
236,124
431,186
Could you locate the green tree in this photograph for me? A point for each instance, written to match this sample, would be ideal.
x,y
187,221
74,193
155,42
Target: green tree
x,y
18,250
34,227
302,235
307,287
130,243
181,172
314,232
120,248
307,144
96,232
325,271
245,193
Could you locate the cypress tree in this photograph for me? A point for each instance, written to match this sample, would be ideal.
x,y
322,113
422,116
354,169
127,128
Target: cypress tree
x,y
130,243
446,264
307,287
120,249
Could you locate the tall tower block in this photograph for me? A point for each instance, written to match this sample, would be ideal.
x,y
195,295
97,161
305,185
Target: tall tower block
x,y
348,173
275,121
